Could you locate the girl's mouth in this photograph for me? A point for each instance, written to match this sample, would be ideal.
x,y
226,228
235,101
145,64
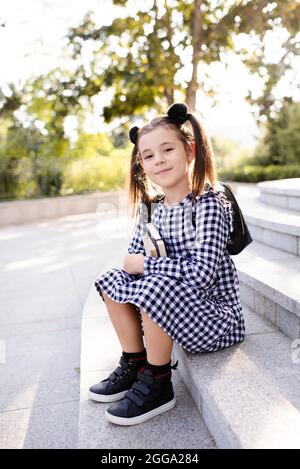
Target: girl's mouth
x,y
163,172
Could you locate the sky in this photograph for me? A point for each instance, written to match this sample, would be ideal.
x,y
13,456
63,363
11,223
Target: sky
x,y
33,41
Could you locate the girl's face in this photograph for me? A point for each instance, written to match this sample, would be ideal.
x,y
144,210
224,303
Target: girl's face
x,y
163,157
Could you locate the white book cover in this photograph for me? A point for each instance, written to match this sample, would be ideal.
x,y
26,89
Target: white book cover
x,y
154,245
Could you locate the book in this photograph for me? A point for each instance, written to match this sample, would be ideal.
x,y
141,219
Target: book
x,y
153,244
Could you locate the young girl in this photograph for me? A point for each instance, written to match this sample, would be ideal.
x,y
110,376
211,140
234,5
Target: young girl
x,y
192,294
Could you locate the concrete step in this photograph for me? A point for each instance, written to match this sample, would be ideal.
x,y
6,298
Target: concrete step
x,y
248,394
274,226
182,427
283,193
269,285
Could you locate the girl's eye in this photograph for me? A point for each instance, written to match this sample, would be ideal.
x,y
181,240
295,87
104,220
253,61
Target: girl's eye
x,y
150,156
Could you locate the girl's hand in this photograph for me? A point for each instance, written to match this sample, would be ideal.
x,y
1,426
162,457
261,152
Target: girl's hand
x,y
134,263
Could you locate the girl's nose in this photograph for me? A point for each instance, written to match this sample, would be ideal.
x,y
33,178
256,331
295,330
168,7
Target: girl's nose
x,y
160,159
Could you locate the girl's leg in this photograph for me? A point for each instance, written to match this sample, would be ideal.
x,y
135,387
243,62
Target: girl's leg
x,y
158,343
126,322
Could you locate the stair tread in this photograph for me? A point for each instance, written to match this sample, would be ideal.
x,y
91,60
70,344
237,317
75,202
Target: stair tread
x,y
271,267
248,393
289,187
266,215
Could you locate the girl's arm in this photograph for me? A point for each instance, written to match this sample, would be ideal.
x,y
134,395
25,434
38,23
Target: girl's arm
x,y
200,267
136,245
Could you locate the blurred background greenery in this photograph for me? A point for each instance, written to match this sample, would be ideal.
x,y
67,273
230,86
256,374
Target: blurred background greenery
x,y
147,57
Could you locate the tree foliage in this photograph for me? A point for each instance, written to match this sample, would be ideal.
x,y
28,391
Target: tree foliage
x,y
280,143
146,58
148,51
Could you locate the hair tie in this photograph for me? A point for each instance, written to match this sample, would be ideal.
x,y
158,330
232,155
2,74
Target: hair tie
x,y
133,133
177,112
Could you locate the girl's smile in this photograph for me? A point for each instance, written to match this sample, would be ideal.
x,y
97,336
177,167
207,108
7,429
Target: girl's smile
x,y
164,171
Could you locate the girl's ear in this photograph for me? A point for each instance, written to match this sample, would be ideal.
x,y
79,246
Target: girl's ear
x,y
191,151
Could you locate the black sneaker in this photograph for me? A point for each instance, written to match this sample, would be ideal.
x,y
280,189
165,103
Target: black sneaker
x,y
149,396
119,381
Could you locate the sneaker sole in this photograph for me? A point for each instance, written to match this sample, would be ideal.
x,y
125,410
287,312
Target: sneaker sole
x,y
107,398
141,418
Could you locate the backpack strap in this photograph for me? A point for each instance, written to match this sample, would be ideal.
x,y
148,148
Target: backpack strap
x,y
207,187
158,198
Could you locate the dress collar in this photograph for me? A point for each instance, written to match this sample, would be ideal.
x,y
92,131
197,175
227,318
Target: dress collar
x,y
185,201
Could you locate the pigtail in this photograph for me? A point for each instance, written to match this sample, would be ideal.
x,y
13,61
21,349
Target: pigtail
x,y
138,183
204,170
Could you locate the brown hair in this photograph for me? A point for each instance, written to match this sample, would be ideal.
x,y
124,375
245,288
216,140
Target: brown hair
x,y
204,167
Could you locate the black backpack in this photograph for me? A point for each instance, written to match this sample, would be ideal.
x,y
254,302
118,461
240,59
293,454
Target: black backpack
x,y
240,236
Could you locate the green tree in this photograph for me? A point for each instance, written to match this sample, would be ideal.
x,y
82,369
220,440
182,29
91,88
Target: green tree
x,y
283,15
228,152
280,142
91,145
146,51
33,146
143,57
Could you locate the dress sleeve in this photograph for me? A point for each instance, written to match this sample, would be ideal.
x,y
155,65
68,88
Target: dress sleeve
x,y
200,266
136,244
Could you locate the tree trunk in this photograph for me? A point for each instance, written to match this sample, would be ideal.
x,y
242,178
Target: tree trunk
x,y
169,94
196,43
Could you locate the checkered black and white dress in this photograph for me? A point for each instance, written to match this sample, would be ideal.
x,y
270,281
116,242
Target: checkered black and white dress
x,y
193,293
